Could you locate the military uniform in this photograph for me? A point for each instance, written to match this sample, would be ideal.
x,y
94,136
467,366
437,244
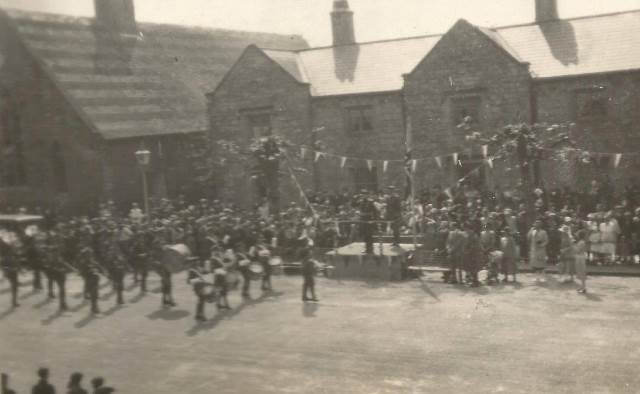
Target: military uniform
x,y
11,269
56,267
115,262
89,269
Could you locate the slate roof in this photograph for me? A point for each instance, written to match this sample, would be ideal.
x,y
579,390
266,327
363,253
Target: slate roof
x,y
154,84
560,48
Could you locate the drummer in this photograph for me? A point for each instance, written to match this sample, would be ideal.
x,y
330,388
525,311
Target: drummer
x,y
220,282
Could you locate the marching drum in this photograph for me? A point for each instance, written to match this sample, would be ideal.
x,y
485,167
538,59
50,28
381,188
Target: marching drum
x,y
207,291
174,257
232,278
256,270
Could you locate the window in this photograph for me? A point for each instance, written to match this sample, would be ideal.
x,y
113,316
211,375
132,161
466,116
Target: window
x,y
592,104
463,108
59,169
359,119
12,167
259,124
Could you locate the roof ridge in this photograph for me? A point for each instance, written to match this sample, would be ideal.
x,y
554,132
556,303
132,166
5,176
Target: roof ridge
x,y
371,42
594,16
62,18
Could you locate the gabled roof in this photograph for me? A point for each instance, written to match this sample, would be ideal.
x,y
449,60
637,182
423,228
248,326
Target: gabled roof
x,y
560,48
588,45
126,87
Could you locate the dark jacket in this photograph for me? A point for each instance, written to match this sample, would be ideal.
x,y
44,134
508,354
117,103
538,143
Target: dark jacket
x,y
43,387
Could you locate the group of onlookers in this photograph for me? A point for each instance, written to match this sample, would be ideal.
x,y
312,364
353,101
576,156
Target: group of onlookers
x,y
74,386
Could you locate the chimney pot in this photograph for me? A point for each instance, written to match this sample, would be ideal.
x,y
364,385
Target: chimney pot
x,y
546,10
342,23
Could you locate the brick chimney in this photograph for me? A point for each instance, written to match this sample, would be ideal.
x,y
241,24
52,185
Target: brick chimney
x,y
546,10
116,16
342,23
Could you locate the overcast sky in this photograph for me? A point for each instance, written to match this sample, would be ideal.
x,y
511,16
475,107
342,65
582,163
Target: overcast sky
x,y
375,19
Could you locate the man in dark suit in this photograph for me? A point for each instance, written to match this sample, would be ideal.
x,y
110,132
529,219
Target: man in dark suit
x,y
308,273
43,386
394,214
368,214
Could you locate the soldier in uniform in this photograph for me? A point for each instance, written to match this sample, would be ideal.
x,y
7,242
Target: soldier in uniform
x,y
11,268
115,263
197,280
56,267
89,270
158,243
140,255
394,214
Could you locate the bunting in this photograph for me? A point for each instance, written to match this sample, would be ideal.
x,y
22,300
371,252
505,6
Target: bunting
x,y
485,151
370,165
385,166
438,161
318,156
617,160
414,165
303,152
455,158
490,162
343,161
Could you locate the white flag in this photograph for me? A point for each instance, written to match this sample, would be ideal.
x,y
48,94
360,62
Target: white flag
x,y
439,161
414,165
485,151
303,152
447,191
455,158
385,166
318,155
343,160
370,164
617,160
490,162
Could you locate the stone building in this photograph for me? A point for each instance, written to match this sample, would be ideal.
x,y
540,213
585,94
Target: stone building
x,y
359,96
79,96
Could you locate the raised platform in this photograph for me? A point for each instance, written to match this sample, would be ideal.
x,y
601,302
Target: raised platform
x,y
387,263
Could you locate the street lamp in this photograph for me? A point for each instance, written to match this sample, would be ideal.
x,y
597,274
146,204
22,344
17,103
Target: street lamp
x,y
144,159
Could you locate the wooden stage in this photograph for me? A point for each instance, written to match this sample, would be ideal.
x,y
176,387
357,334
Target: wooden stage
x,y
387,263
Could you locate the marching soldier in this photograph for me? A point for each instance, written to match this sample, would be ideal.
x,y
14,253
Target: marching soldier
x,y
140,256
11,269
89,269
197,280
115,262
157,251
55,265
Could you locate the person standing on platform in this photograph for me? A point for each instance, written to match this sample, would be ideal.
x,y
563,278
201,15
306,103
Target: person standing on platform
x,y
472,255
11,268
368,214
394,214
308,274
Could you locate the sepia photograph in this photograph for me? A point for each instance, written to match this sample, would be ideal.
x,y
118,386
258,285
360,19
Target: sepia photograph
x,y
319,196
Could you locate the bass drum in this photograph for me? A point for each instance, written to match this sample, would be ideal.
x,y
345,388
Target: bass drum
x,y
233,279
256,271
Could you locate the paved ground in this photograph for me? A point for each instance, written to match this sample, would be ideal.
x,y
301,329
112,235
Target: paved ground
x,y
413,337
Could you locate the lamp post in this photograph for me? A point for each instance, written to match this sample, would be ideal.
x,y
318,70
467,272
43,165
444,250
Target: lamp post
x,y
144,158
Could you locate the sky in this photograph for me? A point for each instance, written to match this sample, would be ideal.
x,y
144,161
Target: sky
x,y
374,19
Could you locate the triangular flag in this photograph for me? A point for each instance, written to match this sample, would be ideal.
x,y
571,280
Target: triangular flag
x,y
343,160
485,151
303,152
414,165
439,161
385,166
455,158
490,162
447,191
617,159
318,155
370,164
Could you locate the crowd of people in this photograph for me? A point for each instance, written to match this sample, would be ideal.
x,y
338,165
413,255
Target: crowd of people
x,y
74,386
469,229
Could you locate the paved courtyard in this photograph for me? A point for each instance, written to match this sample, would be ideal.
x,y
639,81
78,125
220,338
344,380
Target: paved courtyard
x,y
411,337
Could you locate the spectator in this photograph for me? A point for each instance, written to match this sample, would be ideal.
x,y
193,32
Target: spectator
x,y
99,387
43,386
75,384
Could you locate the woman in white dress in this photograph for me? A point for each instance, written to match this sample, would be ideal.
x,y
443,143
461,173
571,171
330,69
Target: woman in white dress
x,y
538,240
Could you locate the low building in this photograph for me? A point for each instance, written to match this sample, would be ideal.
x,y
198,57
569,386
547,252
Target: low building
x,y
79,96
360,95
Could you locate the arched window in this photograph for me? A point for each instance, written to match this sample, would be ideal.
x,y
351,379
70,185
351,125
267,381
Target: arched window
x,y
59,169
12,167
